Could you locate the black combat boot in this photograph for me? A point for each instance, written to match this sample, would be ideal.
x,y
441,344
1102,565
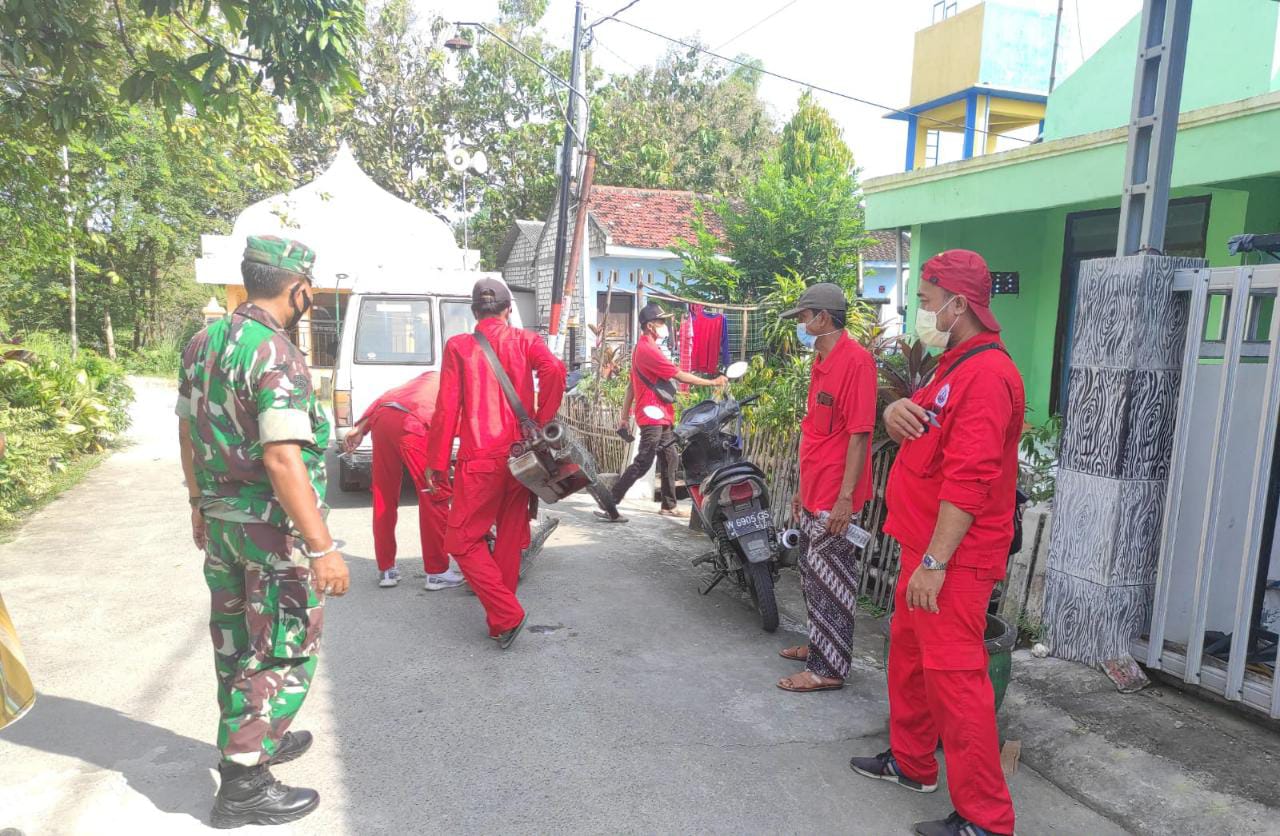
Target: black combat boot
x,y
292,746
250,795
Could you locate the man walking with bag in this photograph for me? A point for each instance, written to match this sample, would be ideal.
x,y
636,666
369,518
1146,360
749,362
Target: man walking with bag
x,y
651,396
951,499
486,394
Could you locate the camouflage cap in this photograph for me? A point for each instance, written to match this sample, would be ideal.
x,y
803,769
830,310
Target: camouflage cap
x,y
284,253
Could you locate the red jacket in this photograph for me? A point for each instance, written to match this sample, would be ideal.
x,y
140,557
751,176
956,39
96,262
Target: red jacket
x,y
971,460
471,405
417,398
648,360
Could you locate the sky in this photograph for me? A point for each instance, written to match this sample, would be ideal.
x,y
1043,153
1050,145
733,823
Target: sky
x,y
859,47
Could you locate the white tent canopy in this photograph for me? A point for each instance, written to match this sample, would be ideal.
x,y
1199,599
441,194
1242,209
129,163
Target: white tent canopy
x,y
360,232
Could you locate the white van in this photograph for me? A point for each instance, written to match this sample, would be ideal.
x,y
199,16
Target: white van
x,y
392,332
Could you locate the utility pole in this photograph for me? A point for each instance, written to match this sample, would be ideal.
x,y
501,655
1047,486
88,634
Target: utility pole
x,y
566,172
1057,37
69,210
1153,125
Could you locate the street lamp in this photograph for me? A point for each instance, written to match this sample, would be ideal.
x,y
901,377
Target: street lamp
x,y
457,43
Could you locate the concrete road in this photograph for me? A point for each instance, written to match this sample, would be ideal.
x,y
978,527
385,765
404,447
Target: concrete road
x,y
631,704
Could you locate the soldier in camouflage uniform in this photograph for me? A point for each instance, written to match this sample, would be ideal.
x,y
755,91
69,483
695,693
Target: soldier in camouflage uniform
x,y
253,440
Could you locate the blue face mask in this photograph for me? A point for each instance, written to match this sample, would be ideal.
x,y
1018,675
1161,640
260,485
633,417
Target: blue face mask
x,y
806,339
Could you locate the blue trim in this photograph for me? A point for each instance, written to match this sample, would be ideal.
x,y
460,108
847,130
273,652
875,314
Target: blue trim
x,y
1041,127
970,122
1015,95
912,124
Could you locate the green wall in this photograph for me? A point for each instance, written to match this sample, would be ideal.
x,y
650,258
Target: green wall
x,y
1025,243
1235,148
1032,244
1230,56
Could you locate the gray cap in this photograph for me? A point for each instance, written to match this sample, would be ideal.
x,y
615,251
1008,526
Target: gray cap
x,y
823,296
652,311
490,290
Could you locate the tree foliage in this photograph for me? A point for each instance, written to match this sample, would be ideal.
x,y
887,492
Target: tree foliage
x,y
686,123
65,63
799,222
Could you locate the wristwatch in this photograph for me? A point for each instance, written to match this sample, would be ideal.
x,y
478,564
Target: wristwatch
x,y
933,564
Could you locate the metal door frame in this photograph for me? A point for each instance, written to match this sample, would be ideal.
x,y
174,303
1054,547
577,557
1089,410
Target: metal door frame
x,y
1242,283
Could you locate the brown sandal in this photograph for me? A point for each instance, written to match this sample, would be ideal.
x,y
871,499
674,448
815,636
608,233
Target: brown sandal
x,y
821,686
798,653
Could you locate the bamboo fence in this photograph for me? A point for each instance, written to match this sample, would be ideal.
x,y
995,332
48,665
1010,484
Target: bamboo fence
x,y
778,455
596,427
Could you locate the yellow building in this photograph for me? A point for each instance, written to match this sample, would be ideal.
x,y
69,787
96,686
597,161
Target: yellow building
x,y
982,73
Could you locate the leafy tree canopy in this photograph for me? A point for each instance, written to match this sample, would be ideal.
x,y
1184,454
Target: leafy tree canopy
x,y
67,62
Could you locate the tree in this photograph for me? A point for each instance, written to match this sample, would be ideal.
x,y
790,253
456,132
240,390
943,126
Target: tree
x,y
64,63
813,144
801,217
686,123
143,193
396,125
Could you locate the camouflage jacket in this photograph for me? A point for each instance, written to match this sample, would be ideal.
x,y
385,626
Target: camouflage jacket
x,y
244,384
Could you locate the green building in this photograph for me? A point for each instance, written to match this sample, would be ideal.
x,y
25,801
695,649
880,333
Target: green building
x,y
1037,211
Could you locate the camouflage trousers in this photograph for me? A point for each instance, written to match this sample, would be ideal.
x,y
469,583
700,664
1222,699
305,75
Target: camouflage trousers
x,y
265,619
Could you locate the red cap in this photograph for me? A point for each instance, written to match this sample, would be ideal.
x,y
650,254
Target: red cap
x,y
964,272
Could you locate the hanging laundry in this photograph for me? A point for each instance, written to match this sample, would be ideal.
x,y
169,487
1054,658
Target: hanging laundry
x,y
685,344
710,341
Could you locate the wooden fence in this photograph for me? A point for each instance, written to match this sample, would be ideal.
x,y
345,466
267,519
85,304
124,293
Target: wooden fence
x,y
596,428
778,456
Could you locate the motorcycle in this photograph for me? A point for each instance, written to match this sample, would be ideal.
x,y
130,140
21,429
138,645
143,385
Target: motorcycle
x,y
730,499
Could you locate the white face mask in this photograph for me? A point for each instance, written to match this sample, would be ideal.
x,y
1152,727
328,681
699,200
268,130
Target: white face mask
x,y
663,333
927,327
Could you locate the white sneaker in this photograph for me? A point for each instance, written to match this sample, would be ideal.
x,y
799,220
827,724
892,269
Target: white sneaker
x,y
389,578
448,580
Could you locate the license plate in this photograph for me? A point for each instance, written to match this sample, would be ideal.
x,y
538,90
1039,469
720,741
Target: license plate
x,y
746,524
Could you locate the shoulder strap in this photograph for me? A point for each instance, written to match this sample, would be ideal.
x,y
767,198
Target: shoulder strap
x,y
644,379
503,380
971,353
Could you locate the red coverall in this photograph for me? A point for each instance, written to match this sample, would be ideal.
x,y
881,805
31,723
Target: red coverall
x,y
473,408
938,681
398,422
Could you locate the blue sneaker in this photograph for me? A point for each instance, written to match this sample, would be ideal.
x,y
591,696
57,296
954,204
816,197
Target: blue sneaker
x,y
884,767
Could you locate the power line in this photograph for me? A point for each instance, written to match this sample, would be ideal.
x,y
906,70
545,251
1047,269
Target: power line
x,y
613,16
1080,31
755,68
762,20
596,40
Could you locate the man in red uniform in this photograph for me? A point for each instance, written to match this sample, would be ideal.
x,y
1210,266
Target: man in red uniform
x,y
835,482
650,369
473,408
951,505
399,421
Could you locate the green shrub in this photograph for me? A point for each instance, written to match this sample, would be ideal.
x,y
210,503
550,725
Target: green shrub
x,y
155,361
53,411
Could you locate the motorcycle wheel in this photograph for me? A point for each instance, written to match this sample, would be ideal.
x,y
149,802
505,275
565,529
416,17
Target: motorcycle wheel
x,y
760,580
603,498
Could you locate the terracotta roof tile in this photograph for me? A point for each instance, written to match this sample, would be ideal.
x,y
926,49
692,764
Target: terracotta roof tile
x,y
648,218
884,249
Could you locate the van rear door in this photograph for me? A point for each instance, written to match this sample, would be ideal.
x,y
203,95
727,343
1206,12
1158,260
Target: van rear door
x,y
394,341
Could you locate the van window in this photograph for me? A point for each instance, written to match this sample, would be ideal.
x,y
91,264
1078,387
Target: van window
x,y
395,330
455,318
